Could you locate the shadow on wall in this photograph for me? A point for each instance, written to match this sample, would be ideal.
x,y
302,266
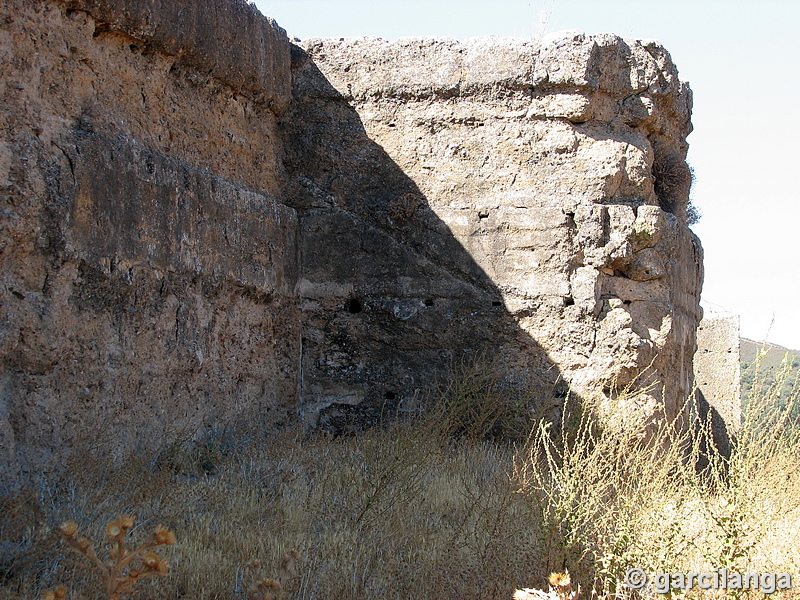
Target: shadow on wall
x,y
712,431
391,300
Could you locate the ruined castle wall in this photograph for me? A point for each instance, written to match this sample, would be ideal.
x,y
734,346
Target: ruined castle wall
x,y
148,265
206,227
545,178
717,374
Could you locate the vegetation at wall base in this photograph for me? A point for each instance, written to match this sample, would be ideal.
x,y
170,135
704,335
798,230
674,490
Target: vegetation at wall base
x,y
414,510
125,568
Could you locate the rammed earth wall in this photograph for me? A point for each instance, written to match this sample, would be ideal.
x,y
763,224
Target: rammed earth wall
x,y
206,227
530,200
149,266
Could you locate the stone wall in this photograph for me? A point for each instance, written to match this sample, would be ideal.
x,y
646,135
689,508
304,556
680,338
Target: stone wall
x,y
207,227
717,376
502,197
148,265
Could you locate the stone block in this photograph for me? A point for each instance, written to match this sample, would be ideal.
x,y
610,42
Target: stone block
x,y
227,39
717,367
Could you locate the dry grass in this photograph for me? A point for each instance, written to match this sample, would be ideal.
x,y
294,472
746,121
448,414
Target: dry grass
x,y
473,403
388,514
605,501
403,208
407,511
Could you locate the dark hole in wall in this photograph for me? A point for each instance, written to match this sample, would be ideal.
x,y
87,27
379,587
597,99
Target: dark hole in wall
x,y
372,188
354,306
390,395
101,28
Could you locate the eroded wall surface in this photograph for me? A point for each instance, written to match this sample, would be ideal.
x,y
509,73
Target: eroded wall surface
x,y
717,373
206,227
543,181
148,265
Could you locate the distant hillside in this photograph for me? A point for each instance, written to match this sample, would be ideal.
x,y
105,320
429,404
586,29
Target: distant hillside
x,y
773,357
761,374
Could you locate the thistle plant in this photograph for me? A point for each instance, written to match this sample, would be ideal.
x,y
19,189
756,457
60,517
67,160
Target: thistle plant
x,y
57,593
125,567
561,584
275,589
560,589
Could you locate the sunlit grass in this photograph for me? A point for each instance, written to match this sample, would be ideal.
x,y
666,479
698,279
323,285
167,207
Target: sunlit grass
x,y
429,508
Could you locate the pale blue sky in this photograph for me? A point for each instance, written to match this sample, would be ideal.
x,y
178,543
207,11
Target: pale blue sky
x,y
742,60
